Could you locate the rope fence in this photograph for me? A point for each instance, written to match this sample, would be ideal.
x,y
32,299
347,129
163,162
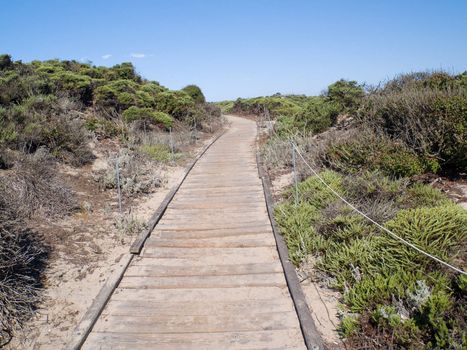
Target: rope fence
x,y
296,151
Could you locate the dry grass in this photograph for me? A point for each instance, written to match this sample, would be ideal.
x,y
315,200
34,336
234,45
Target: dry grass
x,y
22,261
33,188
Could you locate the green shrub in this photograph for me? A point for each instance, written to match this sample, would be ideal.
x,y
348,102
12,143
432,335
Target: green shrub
x,y
397,161
405,333
315,117
73,84
435,312
147,114
349,325
158,152
273,106
394,291
124,70
118,94
438,230
346,94
425,113
152,88
364,150
423,196
346,260
12,88
296,224
225,106
176,103
313,191
195,93
5,61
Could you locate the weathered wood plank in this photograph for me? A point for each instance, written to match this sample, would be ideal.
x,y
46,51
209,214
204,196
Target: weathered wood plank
x,y
198,324
203,270
261,240
257,254
270,339
195,308
176,282
212,294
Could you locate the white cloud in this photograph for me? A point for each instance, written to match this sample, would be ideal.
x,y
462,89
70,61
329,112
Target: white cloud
x,y
138,55
106,56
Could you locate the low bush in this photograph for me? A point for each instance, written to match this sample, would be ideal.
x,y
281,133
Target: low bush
x,y
138,174
427,112
317,116
346,94
195,93
438,230
118,94
147,115
389,289
159,152
363,150
270,107
178,104
45,121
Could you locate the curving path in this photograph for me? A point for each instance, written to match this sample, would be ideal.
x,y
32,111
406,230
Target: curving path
x,y
209,276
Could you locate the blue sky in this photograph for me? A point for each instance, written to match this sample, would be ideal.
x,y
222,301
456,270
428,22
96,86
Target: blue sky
x,y
244,47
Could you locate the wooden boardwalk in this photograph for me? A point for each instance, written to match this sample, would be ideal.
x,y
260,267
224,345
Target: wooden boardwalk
x,y
209,276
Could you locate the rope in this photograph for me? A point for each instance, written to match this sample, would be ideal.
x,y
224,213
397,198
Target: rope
x,y
411,245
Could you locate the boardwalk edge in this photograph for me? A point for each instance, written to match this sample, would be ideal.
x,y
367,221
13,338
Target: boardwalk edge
x,y
311,335
89,319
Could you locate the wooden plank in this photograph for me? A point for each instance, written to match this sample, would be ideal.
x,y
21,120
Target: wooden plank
x,y
197,308
209,233
253,255
193,295
192,282
203,270
269,339
173,227
261,240
198,324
